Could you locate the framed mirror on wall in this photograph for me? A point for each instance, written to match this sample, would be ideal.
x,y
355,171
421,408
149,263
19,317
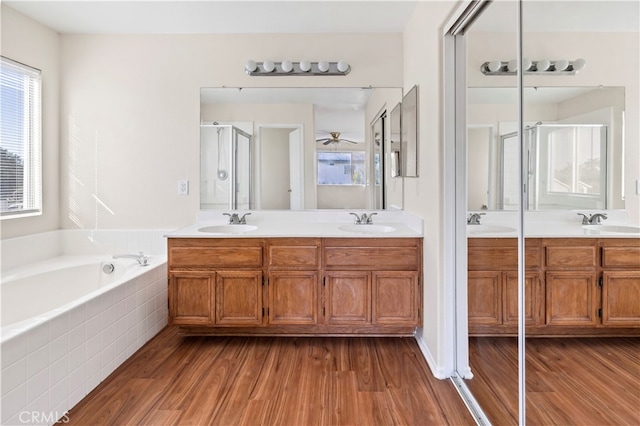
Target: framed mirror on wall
x,y
409,132
321,133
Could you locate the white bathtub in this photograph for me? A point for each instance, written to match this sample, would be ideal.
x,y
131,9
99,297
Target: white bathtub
x,y
66,325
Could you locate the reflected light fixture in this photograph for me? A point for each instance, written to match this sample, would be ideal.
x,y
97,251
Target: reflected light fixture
x,y
304,67
542,67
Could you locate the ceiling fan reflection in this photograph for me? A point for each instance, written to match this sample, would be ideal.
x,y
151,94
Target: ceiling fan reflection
x,y
335,138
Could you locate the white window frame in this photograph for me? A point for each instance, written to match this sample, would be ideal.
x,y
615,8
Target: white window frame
x,y
364,170
26,135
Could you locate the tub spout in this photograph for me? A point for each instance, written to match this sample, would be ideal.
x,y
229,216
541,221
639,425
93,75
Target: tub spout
x,y
141,258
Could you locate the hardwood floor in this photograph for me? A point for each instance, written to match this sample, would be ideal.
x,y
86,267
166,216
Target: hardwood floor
x,y
273,381
570,381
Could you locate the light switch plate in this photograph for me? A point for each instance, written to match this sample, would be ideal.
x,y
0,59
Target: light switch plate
x,y
183,187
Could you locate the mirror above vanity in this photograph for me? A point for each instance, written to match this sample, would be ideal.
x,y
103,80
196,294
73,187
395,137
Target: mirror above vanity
x,y
297,148
575,142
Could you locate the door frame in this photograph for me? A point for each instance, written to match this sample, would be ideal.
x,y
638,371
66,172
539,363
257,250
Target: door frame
x,y
258,157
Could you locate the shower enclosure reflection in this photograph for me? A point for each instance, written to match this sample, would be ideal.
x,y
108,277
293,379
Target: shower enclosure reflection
x,y
225,167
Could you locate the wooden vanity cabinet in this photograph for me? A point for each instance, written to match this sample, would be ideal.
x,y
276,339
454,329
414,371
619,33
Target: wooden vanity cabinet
x,y
571,282
296,286
293,291
620,282
215,282
372,281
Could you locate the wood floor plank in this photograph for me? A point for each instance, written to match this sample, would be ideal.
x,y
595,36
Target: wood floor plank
x,y
570,381
175,380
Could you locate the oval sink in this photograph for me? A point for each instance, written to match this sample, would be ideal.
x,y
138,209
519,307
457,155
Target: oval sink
x,y
489,229
227,229
367,229
610,229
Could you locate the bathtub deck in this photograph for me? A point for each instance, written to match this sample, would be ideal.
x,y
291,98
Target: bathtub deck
x,y
265,380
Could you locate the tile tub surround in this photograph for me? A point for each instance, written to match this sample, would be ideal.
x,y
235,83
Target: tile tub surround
x,y
305,223
51,366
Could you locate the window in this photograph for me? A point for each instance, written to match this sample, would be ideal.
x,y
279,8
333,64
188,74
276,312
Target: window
x,y
20,140
341,168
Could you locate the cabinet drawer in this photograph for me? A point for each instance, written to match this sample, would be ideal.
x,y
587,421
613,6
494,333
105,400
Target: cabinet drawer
x,y
621,257
216,257
560,257
298,255
379,258
501,258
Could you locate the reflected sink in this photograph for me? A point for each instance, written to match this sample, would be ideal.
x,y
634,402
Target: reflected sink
x,y
489,229
227,229
367,229
610,229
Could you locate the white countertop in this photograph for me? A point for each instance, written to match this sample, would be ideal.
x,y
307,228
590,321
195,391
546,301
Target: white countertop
x,y
553,224
317,223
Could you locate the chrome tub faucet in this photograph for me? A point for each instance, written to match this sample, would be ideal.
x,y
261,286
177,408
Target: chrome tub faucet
x,y
141,258
594,219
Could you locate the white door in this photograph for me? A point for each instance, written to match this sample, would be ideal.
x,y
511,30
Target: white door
x,y
296,185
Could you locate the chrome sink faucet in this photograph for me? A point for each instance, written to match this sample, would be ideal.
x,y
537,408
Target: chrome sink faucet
x,y
474,218
594,219
141,258
364,219
234,219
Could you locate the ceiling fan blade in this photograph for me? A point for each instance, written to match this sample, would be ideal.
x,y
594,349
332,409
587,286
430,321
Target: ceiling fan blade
x,y
324,140
328,142
347,140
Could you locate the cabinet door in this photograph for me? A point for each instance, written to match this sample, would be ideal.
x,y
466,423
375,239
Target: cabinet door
x,y
191,298
621,299
571,298
347,297
239,298
484,292
293,297
532,296
395,298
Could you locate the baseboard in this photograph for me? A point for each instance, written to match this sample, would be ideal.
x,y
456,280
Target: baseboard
x,y
438,373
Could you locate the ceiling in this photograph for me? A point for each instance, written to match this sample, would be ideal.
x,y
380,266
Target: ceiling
x,y
218,17
308,16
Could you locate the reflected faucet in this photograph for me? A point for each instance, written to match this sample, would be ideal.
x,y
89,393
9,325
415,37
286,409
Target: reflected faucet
x,y
594,219
234,219
474,218
141,258
364,219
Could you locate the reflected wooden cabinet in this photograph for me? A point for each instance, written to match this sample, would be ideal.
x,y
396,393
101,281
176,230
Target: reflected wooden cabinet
x,y
274,285
573,286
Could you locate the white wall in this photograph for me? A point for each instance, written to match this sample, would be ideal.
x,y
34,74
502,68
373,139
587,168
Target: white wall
x,y
25,40
423,195
130,112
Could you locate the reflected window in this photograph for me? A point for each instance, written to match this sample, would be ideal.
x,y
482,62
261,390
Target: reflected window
x,y
341,168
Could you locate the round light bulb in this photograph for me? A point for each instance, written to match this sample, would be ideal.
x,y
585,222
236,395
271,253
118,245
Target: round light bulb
x,y
286,65
494,66
251,65
323,66
512,65
543,65
526,64
343,66
579,64
562,65
268,66
305,66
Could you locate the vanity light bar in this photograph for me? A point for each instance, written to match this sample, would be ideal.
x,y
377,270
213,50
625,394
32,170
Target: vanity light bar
x,y
269,68
543,66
